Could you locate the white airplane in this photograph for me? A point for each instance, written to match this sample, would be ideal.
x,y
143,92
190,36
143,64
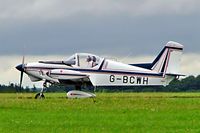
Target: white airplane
x,y
84,68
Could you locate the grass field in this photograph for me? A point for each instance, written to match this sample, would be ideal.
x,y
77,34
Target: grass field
x,y
112,112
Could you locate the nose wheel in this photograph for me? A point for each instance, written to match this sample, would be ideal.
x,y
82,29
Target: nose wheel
x,y
41,94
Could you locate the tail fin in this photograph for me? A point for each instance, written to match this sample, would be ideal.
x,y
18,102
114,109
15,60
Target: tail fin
x,y
168,61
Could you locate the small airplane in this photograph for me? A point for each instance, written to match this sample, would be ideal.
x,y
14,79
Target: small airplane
x,y
89,69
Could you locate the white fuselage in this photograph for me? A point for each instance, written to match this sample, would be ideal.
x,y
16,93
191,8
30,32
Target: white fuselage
x,y
111,73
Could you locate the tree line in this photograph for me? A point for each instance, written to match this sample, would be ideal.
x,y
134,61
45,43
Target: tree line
x,y
188,84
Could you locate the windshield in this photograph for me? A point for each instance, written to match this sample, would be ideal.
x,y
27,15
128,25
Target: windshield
x,y
71,60
84,60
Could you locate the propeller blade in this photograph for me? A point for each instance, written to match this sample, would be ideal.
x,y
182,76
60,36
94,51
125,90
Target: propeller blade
x,y
23,60
21,79
21,68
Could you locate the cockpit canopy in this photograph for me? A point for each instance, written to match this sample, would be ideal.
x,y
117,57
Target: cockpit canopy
x,y
84,60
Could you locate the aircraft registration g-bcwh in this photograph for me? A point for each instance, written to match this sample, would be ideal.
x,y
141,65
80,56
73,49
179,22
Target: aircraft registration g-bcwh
x,y
84,68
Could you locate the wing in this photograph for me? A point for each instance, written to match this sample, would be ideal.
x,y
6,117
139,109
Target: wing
x,y
69,77
64,74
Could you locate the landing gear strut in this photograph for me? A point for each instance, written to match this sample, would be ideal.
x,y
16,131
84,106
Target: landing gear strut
x,y
41,95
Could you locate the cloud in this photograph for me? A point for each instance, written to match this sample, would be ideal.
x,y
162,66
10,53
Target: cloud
x,y
63,9
190,65
66,26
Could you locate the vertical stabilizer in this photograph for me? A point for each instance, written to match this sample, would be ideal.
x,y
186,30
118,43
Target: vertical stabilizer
x,y
168,61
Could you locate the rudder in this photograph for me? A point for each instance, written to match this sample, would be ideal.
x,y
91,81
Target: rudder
x,y
168,61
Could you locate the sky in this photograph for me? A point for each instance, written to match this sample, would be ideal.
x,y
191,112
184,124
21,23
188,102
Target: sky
x,y
55,29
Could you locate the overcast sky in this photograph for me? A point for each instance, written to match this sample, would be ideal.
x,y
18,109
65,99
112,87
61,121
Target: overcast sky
x,y
103,27
68,26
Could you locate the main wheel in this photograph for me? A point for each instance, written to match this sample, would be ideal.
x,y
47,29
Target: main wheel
x,y
39,96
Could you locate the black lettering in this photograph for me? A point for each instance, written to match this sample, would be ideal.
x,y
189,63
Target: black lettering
x,y
132,80
145,80
119,79
112,78
125,79
139,80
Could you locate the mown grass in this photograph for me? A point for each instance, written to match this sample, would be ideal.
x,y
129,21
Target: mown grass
x,y
112,112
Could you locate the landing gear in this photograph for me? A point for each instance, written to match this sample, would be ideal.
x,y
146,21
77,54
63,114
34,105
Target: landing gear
x,y
41,95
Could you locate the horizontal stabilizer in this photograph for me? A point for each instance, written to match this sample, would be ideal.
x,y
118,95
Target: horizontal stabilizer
x,y
170,74
143,65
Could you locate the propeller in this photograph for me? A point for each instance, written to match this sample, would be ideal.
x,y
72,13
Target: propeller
x,y
21,68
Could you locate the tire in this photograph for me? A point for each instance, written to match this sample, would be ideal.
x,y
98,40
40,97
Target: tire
x,y
38,96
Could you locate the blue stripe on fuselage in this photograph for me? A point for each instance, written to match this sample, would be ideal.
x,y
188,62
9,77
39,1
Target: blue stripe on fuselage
x,y
67,74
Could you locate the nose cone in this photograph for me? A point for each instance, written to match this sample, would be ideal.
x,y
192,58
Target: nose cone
x,y
20,67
